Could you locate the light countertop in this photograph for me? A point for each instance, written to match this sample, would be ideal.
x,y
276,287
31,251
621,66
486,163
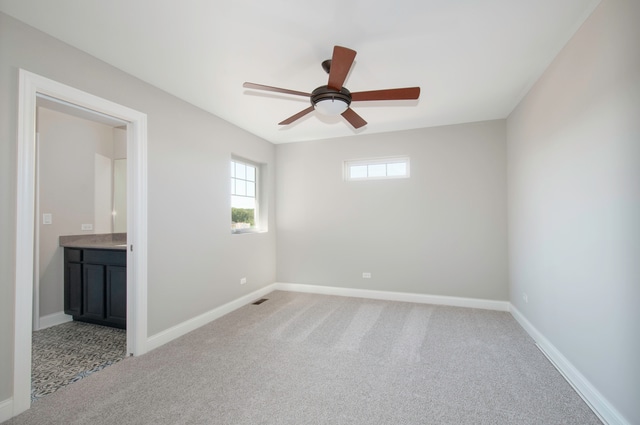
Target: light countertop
x,y
114,241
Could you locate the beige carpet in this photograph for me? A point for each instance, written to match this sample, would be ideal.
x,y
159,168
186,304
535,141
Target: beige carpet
x,y
313,359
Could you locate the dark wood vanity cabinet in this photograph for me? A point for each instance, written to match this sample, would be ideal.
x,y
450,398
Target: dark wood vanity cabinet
x,y
95,286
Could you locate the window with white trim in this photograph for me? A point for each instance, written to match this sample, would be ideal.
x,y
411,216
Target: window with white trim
x,y
377,168
244,196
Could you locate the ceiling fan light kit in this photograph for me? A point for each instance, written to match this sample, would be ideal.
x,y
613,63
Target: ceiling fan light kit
x,y
330,102
333,99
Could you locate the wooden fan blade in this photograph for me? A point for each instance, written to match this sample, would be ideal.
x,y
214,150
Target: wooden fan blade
x,y
275,89
405,93
297,116
340,65
354,119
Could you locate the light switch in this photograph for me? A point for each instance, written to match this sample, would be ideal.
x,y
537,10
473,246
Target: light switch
x,y
47,218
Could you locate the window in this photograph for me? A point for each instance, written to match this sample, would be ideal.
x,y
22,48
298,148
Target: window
x,y
379,168
244,196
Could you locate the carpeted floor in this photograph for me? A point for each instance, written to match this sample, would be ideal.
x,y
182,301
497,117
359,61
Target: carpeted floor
x,y
315,359
66,353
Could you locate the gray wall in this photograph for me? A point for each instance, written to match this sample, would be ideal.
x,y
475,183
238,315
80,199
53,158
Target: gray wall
x,y
440,232
67,147
574,203
573,176
195,263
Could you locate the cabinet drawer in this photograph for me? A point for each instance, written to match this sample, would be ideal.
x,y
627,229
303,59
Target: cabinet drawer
x,y
74,255
108,257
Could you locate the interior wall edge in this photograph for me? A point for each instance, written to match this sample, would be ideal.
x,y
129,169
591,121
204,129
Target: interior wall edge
x,y
594,399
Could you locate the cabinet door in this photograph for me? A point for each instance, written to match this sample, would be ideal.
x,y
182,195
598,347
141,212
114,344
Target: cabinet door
x,y
93,291
73,289
117,295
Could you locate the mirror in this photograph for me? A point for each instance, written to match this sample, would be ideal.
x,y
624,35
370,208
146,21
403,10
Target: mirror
x,y
119,213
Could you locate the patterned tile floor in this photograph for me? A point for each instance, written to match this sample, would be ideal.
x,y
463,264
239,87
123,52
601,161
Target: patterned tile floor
x,y
68,352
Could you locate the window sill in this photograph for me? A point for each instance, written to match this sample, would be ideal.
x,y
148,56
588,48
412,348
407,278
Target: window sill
x,y
248,231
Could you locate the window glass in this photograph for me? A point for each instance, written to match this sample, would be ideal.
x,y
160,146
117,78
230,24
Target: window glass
x,y
244,200
241,170
358,171
251,174
378,168
397,169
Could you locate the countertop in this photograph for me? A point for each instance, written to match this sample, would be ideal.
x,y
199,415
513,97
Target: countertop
x,y
113,241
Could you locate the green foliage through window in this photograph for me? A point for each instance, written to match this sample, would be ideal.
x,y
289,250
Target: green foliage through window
x,y
243,215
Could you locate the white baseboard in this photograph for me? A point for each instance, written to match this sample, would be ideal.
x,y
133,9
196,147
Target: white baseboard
x,y
54,319
600,406
396,296
183,328
6,409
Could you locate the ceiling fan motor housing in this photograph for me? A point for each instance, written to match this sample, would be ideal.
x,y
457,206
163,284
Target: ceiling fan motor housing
x,y
323,95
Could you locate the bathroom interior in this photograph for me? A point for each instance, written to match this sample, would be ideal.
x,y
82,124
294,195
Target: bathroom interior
x,y
81,214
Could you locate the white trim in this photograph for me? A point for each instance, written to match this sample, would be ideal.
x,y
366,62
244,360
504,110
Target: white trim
x,y
187,326
53,320
596,401
6,409
395,296
29,86
24,244
36,252
137,234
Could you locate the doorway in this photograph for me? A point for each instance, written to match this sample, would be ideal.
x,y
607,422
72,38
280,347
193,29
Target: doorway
x,y
73,149
30,87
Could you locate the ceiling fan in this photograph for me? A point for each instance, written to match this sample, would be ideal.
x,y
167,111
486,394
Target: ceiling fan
x,y
333,99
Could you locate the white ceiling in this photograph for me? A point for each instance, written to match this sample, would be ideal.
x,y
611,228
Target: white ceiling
x,y
473,59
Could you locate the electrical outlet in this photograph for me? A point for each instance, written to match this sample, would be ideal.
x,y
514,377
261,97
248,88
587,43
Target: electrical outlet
x,y
47,218
87,227
243,281
366,275
525,297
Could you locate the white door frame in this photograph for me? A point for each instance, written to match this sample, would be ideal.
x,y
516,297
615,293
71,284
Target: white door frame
x,y
29,86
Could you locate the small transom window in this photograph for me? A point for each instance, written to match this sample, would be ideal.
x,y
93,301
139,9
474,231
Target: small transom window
x,y
379,168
